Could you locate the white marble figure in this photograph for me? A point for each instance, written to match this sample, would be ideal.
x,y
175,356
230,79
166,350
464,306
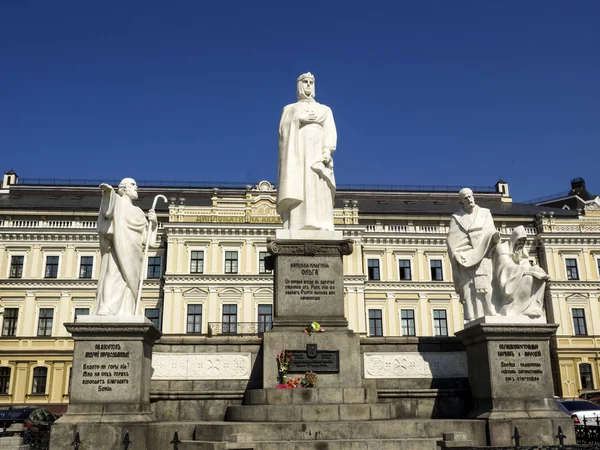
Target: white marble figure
x,y
122,228
471,238
306,183
518,285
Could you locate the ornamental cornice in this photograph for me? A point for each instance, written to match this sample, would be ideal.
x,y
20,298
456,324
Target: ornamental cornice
x,y
574,285
24,283
409,240
50,237
550,239
224,279
415,286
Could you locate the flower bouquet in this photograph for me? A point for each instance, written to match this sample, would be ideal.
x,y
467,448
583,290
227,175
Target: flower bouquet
x,y
313,328
283,365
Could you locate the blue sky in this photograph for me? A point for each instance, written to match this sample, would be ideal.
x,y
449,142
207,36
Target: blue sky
x,y
423,92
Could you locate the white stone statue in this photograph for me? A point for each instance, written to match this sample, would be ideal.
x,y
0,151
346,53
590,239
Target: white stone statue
x,y
471,239
518,285
306,184
123,232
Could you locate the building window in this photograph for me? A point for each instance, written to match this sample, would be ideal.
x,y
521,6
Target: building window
x,y
153,267
16,266
231,262
572,273
373,269
579,328
194,319
86,267
154,315
265,318
261,262
436,270
4,380
197,262
404,265
440,322
81,312
40,375
375,322
408,322
45,322
585,375
51,267
229,319
9,325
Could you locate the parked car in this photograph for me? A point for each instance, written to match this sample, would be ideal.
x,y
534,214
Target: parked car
x,y
580,409
592,396
15,421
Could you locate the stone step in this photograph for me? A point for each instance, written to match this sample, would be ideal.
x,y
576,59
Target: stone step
x,y
299,396
309,412
339,430
344,444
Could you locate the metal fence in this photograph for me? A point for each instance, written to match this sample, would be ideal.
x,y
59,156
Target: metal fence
x,y
238,328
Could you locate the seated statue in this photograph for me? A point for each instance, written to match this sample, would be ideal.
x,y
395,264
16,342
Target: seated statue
x,y
519,285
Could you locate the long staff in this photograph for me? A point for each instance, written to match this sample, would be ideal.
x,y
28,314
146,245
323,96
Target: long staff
x,y
148,233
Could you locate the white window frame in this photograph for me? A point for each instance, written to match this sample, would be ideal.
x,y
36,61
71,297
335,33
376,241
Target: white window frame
x,y
45,255
239,259
594,381
412,308
411,258
378,258
10,253
379,308
48,375
81,254
575,256
146,265
441,304
11,380
14,304
74,307
436,257
204,324
197,248
586,316
260,250
160,312
40,304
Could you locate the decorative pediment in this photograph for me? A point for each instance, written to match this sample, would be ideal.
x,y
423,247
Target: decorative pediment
x,y
230,293
196,293
577,298
263,293
264,186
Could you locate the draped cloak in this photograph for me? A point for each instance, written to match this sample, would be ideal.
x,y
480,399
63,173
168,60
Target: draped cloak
x,y
519,286
471,237
306,188
122,228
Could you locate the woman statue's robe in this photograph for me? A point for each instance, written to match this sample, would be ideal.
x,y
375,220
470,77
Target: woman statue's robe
x,y
122,228
306,188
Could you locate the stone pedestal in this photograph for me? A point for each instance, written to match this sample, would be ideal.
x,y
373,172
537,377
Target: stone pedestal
x,y
511,381
309,286
110,382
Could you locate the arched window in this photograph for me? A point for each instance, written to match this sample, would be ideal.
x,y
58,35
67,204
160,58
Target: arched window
x,y
4,380
585,374
40,376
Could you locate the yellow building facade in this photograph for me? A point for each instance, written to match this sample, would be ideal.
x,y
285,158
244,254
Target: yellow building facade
x,y
206,272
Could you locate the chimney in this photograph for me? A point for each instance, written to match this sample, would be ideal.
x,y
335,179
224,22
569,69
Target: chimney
x,y
10,177
502,188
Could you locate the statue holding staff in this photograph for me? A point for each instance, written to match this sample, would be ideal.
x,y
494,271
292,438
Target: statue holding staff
x,y
123,230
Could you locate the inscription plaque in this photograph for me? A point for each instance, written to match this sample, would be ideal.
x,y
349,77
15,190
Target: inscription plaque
x,y
520,362
323,361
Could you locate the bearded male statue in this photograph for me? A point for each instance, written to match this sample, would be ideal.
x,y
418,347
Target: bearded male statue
x,y
122,227
519,285
306,183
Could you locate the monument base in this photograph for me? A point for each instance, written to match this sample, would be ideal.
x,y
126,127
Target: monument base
x,y
511,381
110,382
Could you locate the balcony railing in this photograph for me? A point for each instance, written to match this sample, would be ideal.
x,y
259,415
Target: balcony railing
x,y
430,229
62,224
238,328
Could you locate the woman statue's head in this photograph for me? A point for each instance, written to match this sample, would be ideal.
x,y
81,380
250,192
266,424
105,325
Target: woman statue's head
x,y
305,86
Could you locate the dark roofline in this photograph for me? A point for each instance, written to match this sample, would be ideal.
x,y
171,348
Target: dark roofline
x,y
75,182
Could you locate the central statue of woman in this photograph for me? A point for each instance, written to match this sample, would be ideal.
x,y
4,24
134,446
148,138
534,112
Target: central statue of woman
x,y
307,138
